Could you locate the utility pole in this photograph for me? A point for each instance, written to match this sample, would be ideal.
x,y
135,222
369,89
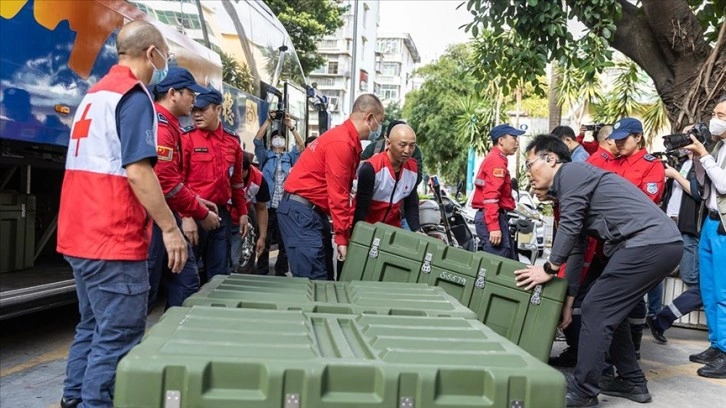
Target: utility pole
x,y
355,56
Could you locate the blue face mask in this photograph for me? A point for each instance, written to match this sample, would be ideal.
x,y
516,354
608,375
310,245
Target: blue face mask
x,y
159,74
373,135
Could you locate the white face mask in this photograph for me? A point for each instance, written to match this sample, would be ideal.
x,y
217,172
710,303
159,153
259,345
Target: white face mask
x,y
717,126
278,142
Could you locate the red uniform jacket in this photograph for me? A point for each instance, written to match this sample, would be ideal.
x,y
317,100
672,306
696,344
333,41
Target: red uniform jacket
x,y
590,147
604,160
213,166
324,175
169,168
493,188
389,191
646,172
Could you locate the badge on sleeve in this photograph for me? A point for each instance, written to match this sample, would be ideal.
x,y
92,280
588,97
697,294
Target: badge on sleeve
x,y
165,153
499,173
651,188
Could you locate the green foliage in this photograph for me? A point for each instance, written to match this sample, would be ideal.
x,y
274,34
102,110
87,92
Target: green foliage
x,y
433,109
655,118
236,73
624,99
476,120
307,22
392,112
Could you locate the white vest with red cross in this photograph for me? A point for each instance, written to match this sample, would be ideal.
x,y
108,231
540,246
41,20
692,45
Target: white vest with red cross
x,y
253,184
388,194
100,217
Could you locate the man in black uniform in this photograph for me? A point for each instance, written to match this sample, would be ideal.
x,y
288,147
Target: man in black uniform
x,y
643,245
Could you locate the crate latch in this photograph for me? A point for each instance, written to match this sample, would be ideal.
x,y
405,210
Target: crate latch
x,y
481,278
516,404
173,399
292,400
374,248
22,210
426,267
536,295
407,402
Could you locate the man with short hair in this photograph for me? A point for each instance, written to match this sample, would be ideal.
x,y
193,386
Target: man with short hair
x,y
387,182
212,164
493,194
108,193
275,164
642,244
381,144
174,97
319,185
567,135
605,157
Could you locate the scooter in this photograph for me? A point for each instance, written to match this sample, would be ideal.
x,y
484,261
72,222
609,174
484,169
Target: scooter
x,y
521,223
443,218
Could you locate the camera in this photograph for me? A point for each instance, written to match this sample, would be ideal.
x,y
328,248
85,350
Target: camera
x,y
594,128
676,141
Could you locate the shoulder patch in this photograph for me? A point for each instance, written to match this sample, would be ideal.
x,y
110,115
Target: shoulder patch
x,y
187,129
229,131
650,157
165,153
604,156
651,188
161,118
499,172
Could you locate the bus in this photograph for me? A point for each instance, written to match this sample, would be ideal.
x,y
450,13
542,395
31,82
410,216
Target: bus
x,y
53,51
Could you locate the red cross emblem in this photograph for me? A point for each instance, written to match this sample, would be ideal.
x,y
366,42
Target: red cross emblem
x,y
80,128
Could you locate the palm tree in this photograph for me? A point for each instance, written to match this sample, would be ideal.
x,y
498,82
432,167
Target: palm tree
x,y
576,93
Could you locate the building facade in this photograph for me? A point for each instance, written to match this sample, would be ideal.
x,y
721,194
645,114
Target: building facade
x,y
399,59
351,61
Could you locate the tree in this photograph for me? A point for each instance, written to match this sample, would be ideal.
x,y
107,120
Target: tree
x,y
307,22
235,73
392,112
678,43
433,109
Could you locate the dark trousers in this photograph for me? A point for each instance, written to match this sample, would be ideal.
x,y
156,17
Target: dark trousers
x,y
214,249
572,332
628,276
307,239
506,247
684,304
178,286
263,261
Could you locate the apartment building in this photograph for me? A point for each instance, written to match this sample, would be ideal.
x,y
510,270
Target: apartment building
x,y
399,58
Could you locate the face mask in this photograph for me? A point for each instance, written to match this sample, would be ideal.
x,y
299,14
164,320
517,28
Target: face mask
x,y
278,142
373,135
717,126
159,74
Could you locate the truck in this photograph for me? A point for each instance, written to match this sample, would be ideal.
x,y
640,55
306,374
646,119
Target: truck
x,y
53,51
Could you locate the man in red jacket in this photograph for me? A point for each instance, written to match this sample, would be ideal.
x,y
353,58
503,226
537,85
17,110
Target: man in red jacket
x,y
493,193
174,97
319,185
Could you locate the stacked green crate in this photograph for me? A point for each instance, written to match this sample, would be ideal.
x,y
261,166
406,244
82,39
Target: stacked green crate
x,y
271,292
228,357
483,282
17,231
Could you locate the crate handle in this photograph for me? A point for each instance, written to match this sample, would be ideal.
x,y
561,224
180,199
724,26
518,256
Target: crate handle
x,y
426,267
536,295
374,248
481,279
407,402
292,400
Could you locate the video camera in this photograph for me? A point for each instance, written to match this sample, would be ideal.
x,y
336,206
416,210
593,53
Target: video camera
x,y
676,141
673,158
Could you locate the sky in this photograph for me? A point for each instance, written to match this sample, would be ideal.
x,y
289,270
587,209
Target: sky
x,y
433,24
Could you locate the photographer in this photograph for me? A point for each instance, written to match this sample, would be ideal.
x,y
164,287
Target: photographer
x,y
712,247
275,164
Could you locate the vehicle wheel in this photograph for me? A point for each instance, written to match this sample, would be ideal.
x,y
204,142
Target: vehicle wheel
x,y
249,266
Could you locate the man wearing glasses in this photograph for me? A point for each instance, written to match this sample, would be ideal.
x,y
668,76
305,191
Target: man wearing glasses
x,y
174,97
493,194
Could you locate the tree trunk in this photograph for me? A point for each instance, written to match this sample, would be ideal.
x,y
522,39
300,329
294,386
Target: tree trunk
x,y
665,38
555,110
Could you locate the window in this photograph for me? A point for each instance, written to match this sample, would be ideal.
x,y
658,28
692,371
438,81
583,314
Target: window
x,y
389,92
389,45
391,68
332,67
326,81
329,44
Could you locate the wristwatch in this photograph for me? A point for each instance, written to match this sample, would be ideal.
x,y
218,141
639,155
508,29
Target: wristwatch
x,y
549,270
292,129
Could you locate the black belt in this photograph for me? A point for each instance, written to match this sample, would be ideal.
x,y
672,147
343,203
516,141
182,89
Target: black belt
x,y
712,214
300,199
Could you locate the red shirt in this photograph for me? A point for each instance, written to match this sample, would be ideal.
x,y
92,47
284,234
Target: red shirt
x,y
213,166
493,188
590,147
324,175
170,170
645,171
604,160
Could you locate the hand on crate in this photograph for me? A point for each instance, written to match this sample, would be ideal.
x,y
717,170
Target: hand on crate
x,y
532,276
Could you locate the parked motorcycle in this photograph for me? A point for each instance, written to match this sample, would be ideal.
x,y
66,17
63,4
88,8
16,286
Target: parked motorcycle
x,y
522,228
443,218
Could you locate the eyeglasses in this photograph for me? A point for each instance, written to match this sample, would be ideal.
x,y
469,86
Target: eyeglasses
x,y
528,165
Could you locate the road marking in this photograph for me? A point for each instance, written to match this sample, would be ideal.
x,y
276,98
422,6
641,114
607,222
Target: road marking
x,y
55,354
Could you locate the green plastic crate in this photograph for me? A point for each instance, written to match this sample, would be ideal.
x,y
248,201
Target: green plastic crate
x,y
225,357
481,281
280,293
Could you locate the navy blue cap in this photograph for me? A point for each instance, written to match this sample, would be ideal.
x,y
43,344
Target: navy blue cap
x,y
625,127
211,96
179,78
503,130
